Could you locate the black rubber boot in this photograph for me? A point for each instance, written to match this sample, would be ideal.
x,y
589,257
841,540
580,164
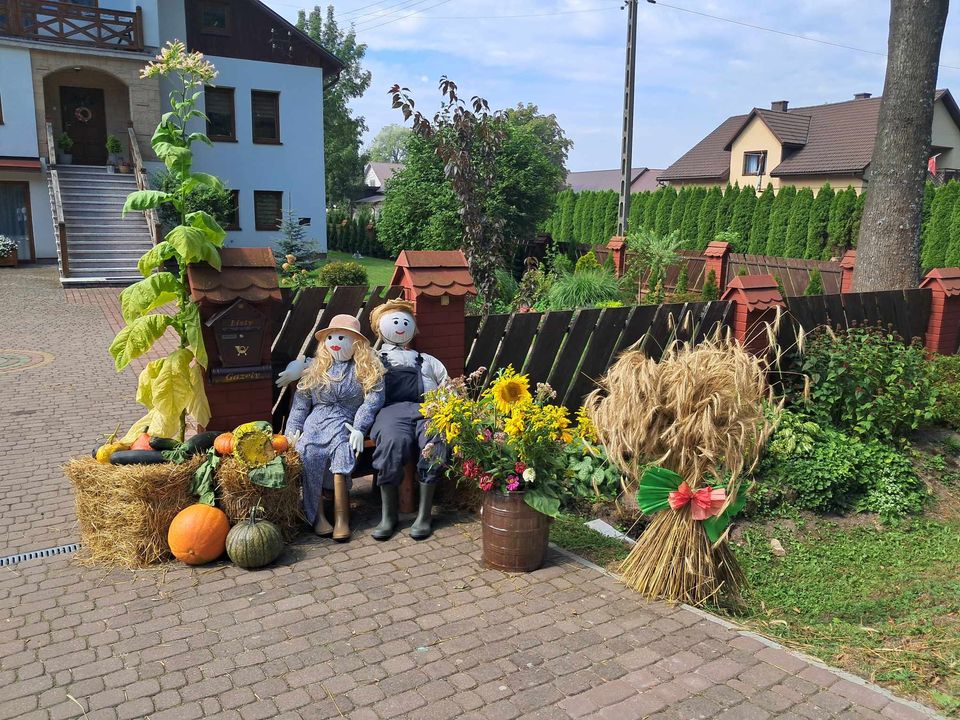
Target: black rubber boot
x,y
389,499
422,527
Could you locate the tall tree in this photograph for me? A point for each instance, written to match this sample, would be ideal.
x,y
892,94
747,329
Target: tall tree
x,y
742,217
840,224
612,204
662,221
567,203
676,212
653,204
341,129
796,242
638,203
936,232
706,220
760,226
779,219
576,227
725,209
390,144
819,220
887,253
951,258
691,214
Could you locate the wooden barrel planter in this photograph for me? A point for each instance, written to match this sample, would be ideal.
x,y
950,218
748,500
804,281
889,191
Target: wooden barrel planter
x,y
515,535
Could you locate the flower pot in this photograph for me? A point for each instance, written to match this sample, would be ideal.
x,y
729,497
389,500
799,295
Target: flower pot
x,y
111,169
125,168
515,535
9,260
66,158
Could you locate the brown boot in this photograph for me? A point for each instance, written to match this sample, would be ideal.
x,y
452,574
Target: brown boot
x,y
322,526
341,509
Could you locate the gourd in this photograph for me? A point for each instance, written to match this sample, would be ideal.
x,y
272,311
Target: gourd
x,y
104,453
280,444
142,442
224,444
201,442
253,543
163,443
198,534
136,457
253,444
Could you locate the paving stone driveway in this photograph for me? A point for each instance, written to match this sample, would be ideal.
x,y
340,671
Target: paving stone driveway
x,y
361,630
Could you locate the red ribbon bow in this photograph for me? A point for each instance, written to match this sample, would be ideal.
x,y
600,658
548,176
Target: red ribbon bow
x,y
703,503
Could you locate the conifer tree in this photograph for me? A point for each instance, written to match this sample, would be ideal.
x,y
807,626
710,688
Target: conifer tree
x,y
638,202
725,209
691,212
951,257
662,221
796,242
676,212
760,225
682,279
576,225
840,223
815,286
585,205
935,236
610,224
857,216
567,205
819,219
710,290
779,219
650,211
706,219
742,217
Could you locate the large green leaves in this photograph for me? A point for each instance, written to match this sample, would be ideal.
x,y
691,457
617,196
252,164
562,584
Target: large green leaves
x,y
146,200
148,294
542,501
177,158
190,316
206,222
155,257
136,338
193,245
173,387
207,179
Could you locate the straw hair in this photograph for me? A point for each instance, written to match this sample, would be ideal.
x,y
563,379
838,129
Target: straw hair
x,y
281,506
124,511
368,367
389,306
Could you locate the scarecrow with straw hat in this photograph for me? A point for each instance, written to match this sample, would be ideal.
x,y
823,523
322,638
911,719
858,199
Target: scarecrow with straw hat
x,y
337,399
400,430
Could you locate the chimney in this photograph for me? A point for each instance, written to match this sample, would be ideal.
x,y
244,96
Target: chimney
x,y
779,105
862,96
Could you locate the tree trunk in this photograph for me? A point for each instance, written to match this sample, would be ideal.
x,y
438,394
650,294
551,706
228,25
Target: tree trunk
x,y
888,248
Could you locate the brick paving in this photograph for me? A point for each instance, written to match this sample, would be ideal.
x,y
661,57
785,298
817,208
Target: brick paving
x,y
363,630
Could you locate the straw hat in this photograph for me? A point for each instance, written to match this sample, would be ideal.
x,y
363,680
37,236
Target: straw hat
x,y
342,323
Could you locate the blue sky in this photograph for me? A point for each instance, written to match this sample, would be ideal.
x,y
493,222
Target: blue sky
x,y
567,57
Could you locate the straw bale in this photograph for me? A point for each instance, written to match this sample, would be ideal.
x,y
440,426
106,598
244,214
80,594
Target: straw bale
x,y
236,495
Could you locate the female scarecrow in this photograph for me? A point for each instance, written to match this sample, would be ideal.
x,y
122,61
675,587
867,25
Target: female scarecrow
x,y
335,404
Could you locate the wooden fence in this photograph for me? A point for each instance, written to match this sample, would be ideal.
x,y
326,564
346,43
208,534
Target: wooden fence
x,y
570,349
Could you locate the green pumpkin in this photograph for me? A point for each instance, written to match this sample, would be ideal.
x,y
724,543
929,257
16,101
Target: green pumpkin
x,y
253,543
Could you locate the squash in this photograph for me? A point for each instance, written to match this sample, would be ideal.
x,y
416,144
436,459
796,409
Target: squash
x,y
200,443
162,443
137,457
224,443
253,543
142,442
253,444
280,444
198,534
104,454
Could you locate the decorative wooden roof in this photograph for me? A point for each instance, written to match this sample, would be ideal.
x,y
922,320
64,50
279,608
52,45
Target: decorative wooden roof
x,y
758,292
849,260
434,273
717,248
948,279
248,273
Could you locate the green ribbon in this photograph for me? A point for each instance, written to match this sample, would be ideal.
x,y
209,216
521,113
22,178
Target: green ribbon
x,y
271,475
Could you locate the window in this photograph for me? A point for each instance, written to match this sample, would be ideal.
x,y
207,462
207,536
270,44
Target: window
x,y
753,162
267,208
233,219
221,118
266,116
214,18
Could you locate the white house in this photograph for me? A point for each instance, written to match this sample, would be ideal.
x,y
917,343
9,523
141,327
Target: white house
x,y
72,69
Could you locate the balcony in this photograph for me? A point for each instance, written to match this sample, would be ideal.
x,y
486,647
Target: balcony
x,y
72,24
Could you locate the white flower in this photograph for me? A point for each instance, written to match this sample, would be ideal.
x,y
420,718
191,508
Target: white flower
x,y
529,475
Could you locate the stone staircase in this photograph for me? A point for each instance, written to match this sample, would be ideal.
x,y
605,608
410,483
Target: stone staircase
x,y
102,247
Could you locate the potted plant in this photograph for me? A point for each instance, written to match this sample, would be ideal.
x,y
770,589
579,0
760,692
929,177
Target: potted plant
x,y
124,167
8,252
511,445
113,153
65,145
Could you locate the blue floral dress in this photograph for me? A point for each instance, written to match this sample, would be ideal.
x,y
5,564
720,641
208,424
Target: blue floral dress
x,y
324,446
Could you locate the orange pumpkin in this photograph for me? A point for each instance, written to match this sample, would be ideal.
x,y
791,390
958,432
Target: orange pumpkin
x,y
142,442
224,443
280,444
198,534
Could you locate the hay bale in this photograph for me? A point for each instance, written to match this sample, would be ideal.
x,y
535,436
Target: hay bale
x,y
459,495
124,511
237,495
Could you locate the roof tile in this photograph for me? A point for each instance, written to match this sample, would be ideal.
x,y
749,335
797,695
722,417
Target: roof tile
x,y
248,273
434,272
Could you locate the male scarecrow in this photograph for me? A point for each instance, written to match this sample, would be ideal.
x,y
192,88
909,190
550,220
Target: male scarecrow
x,y
399,430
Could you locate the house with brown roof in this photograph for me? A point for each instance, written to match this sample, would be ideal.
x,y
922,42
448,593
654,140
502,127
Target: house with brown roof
x,y
641,180
806,146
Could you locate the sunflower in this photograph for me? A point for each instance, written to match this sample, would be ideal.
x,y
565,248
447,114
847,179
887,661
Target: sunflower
x,y
509,391
253,444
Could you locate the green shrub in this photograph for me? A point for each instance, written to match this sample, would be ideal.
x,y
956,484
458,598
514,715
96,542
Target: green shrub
x,y
946,374
507,286
893,488
710,290
587,261
815,286
591,475
532,289
217,202
866,380
342,273
582,289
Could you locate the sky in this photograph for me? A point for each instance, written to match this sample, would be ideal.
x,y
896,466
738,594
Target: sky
x,y
567,57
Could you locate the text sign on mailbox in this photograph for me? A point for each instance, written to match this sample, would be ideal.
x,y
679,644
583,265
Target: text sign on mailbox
x,y
239,334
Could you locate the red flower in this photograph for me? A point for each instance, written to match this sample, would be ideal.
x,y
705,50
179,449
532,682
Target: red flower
x,y
486,482
519,468
470,468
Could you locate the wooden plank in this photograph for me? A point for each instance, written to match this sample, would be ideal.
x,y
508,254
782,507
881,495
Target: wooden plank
x,y
346,300
546,344
871,310
471,323
918,310
378,296
853,309
887,311
636,326
661,334
488,340
300,321
901,317
835,311
713,316
596,357
570,354
517,341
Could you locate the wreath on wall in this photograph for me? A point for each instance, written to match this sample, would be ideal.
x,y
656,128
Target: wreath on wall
x,y
83,114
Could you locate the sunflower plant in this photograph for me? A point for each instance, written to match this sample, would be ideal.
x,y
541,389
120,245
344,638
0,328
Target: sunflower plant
x,y
504,438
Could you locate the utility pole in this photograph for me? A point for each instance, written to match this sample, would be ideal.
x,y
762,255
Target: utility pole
x,y
626,141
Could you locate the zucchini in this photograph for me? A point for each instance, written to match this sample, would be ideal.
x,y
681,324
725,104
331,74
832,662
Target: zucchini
x,y
136,457
162,443
200,443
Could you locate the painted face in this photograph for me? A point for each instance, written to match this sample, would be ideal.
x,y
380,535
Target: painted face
x,y
397,327
340,345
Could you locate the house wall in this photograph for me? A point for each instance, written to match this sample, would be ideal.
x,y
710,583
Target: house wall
x,y
756,136
41,218
18,133
945,133
814,182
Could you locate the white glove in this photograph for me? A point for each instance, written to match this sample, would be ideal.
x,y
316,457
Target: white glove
x,y
356,439
292,437
293,371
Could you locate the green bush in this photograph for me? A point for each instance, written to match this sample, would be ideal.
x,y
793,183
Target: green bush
x,y
867,381
587,261
582,289
342,273
216,202
710,290
946,377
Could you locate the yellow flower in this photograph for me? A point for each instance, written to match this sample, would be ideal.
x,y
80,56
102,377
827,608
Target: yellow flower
x,y
253,443
510,390
514,425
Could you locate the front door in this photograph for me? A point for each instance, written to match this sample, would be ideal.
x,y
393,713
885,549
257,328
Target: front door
x,y
84,121
15,220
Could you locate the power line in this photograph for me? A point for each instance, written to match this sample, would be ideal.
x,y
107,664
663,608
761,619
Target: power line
x,y
384,9
402,17
527,15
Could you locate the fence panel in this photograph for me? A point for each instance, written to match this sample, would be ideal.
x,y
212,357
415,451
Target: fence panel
x,y
543,353
298,323
913,314
487,342
516,343
471,323
571,353
596,357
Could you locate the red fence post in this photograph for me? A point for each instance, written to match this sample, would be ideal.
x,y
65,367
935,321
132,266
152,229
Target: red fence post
x,y
943,328
618,249
756,299
847,263
717,256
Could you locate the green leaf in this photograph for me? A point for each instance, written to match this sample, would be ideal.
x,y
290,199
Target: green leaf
x,y
165,132
205,221
193,245
175,157
194,332
136,338
207,179
145,200
155,257
145,382
148,294
542,502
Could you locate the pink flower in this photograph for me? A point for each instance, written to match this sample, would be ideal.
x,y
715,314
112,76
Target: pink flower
x,y
519,468
486,482
470,468
500,437
513,482
487,434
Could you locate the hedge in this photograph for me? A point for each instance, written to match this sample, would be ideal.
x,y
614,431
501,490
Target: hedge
x,y
346,233
790,223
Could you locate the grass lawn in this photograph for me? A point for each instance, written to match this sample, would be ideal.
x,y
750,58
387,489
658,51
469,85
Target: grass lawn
x,y
379,271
